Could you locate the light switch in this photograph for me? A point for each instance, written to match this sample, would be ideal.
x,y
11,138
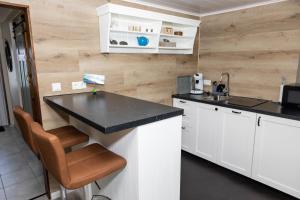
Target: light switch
x,y
78,85
56,87
207,82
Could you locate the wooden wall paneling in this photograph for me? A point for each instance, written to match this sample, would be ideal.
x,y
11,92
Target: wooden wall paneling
x,y
256,46
66,41
274,17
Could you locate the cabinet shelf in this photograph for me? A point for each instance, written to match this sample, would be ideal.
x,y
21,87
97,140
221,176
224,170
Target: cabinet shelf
x,y
176,48
115,21
132,47
176,36
132,32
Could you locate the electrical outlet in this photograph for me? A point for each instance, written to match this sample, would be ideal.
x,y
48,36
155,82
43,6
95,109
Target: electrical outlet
x,y
78,85
56,87
207,82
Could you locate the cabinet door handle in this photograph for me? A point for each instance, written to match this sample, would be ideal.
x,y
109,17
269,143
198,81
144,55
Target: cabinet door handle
x,y
182,101
184,115
236,112
216,109
258,121
183,128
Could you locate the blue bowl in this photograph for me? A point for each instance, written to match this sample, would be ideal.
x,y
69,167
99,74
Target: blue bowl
x,y
143,41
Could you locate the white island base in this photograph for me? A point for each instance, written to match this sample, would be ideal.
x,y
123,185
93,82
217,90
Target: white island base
x,y
153,154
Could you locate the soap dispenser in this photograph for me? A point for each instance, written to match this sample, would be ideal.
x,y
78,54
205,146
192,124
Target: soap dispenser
x,y
283,80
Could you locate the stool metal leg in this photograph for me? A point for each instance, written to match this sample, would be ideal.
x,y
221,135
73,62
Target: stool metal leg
x,y
63,193
87,189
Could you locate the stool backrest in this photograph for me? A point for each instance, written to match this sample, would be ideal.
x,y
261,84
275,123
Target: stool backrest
x,y
52,153
24,120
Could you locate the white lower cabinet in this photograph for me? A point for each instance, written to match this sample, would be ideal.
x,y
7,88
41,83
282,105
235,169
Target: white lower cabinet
x,y
236,140
261,147
208,128
189,124
277,154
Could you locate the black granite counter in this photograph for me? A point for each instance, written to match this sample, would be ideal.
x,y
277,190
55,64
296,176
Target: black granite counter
x,y
266,107
110,112
277,110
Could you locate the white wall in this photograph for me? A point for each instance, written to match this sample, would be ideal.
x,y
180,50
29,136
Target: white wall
x,y
6,84
3,111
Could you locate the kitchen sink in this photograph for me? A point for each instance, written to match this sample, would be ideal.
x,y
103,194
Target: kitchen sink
x,y
234,100
216,98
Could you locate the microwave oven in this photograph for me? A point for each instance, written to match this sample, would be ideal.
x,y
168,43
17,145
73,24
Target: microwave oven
x,y
291,95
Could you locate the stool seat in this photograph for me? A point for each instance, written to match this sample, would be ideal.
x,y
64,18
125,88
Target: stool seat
x,y
69,136
91,163
78,168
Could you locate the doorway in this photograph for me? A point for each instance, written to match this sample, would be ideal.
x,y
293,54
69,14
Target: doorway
x,y
19,31
18,64
21,173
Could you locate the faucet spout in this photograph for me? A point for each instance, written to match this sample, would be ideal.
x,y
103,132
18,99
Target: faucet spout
x,y
227,88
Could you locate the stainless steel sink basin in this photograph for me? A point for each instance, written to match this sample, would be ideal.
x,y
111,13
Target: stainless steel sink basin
x,y
216,98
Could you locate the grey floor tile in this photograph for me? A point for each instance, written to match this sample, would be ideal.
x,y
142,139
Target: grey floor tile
x,y
36,167
6,139
28,155
2,195
18,177
9,149
41,180
12,166
21,143
11,159
42,198
25,190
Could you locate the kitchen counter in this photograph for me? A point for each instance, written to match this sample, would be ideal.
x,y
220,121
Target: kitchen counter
x,y
146,134
110,112
267,108
275,109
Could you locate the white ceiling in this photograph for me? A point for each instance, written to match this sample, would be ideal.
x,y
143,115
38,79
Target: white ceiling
x,y
204,7
4,12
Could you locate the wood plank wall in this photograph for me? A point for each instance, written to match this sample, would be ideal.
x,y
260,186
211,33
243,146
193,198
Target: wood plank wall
x,y
256,46
66,42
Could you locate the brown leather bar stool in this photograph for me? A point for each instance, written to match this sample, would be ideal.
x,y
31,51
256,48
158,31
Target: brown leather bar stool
x,y
78,168
68,135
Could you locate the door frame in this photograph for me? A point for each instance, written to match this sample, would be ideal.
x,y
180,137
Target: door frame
x,y
34,89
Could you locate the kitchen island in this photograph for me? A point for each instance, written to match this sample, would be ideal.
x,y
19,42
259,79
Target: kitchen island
x,y
146,134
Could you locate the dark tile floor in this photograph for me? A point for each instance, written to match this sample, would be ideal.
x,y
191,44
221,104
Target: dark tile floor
x,y
20,171
202,180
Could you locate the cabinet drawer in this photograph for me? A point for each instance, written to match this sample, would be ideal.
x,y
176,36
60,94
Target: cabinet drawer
x,y
184,104
187,106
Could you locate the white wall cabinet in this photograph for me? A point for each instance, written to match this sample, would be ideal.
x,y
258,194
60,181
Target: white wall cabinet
x,y
236,140
123,24
208,129
277,154
189,124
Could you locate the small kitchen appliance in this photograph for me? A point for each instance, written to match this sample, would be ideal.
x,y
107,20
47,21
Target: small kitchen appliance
x,y
291,95
184,84
198,84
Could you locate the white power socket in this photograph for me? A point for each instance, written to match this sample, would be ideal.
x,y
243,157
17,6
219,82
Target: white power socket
x,y
56,87
207,82
78,85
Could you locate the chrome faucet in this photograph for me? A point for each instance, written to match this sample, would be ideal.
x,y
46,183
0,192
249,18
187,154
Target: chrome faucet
x,y
227,88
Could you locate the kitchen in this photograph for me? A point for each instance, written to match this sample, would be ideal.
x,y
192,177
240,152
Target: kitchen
x,y
255,42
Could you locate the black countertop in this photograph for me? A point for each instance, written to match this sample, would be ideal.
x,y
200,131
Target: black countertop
x,y
267,108
110,112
